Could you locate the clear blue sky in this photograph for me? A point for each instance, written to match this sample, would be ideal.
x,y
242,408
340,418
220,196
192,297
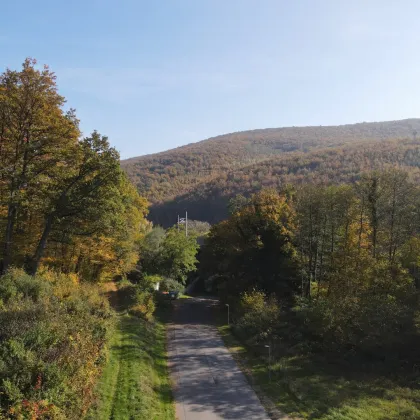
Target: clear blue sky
x,y
157,74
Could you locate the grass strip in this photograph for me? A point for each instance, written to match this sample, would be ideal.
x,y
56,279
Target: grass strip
x,y
135,382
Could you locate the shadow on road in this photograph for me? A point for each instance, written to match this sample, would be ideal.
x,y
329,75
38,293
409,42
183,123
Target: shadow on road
x,y
208,383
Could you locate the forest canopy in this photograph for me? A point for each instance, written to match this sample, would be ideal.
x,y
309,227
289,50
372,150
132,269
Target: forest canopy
x,y
204,176
64,200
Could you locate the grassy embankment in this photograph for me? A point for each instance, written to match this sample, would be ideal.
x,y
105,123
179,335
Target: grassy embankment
x,y
135,382
313,387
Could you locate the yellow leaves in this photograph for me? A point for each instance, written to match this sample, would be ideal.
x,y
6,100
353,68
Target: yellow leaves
x,y
103,251
267,210
74,278
48,275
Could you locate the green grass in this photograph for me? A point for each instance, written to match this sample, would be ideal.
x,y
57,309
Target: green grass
x,y
135,382
317,388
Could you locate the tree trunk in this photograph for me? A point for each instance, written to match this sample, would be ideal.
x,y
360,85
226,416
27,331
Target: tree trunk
x,y
41,245
362,209
78,263
373,201
7,247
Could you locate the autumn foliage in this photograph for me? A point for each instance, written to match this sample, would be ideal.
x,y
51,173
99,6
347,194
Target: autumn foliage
x,y
204,176
69,219
64,201
53,338
342,262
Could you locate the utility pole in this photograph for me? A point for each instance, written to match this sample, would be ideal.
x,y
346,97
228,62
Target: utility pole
x,y
183,221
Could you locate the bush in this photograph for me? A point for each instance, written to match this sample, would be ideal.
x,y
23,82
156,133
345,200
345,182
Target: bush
x,y
259,317
376,317
17,285
149,282
168,285
53,342
369,323
143,304
140,297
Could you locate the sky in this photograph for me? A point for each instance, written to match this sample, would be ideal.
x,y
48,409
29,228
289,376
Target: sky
x,y
154,75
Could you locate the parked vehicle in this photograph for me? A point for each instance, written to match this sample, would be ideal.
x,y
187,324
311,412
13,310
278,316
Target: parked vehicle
x,y
173,294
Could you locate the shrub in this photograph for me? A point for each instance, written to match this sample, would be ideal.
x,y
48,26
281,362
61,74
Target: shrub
x,y
169,284
149,282
259,316
140,297
144,304
53,342
375,317
17,285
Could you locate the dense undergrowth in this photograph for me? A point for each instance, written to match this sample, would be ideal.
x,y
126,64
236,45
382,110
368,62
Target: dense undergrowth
x,y
53,341
64,233
66,354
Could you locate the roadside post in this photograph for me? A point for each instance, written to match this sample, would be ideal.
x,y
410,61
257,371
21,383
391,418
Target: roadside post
x,y
269,361
227,304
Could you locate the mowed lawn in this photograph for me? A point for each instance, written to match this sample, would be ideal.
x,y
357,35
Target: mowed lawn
x,y
135,383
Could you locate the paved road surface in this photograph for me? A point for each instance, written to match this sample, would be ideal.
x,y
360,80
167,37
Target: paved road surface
x,y
208,383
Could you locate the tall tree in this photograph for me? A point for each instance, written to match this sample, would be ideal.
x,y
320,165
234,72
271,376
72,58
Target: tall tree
x,y
35,133
254,247
84,200
399,211
151,251
178,256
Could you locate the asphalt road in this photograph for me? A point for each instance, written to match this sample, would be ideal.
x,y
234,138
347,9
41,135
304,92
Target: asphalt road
x,y
208,384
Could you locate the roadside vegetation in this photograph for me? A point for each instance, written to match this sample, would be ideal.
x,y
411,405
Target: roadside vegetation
x,y
70,219
324,386
70,222
328,278
54,333
135,383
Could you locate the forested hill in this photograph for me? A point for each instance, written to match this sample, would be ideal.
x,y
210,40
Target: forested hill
x,y
201,177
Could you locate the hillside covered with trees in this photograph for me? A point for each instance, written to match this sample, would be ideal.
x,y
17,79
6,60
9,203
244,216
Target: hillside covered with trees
x,y
202,177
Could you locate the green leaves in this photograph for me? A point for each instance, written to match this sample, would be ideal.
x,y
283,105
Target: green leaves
x,y
52,345
178,254
169,253
254,248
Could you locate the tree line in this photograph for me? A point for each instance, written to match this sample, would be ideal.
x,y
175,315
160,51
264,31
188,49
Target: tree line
x,y
344,260
63,198
69,219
